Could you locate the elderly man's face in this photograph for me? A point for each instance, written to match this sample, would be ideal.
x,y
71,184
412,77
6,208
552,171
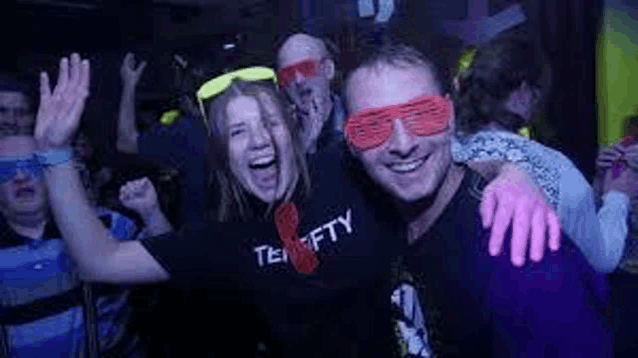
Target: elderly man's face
x,y
16,116
305,73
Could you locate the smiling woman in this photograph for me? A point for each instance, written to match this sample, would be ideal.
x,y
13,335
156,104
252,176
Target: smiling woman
x,y
315,268
256,148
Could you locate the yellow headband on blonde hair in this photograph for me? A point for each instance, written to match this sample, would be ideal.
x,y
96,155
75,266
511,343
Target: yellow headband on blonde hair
x,y
219,84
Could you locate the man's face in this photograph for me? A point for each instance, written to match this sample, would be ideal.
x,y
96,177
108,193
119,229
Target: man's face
x,y
22,192
308,74
16,116
410,167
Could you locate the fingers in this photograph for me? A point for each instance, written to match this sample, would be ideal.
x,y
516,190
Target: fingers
x,y
129,59
45,93
136,187
45,87
500,224
77,90
80,73
124,194
63,77
146,183
141,68
487,207
85,78
619,147
129,63
128,192
45,98
631,155
520,231
553,223
607,156
73,77
539,229
74,72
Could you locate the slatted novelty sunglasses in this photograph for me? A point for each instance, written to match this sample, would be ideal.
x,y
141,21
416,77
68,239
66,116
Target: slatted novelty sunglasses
x,y
307,68
423,116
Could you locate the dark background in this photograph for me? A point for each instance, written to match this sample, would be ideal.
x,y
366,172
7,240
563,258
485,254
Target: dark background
x,y
35,33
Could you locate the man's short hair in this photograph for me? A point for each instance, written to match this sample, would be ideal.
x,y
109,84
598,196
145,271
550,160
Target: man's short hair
x,y
387,51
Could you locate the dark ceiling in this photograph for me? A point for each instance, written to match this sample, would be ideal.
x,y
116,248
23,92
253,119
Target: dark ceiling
x,y
91,24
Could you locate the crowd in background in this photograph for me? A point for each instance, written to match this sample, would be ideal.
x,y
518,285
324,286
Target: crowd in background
x,y
401,175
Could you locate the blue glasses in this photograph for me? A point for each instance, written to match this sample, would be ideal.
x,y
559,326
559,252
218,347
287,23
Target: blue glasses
x,y
29,166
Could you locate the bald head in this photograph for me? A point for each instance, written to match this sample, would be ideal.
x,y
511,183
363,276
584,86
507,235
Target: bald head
x,y
301,47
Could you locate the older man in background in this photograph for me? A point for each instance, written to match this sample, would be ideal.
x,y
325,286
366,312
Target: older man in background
x,y
306,69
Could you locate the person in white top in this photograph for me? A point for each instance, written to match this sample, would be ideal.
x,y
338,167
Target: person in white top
x,y
500,95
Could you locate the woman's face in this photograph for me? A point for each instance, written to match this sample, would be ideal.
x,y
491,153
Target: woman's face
x,y
261,158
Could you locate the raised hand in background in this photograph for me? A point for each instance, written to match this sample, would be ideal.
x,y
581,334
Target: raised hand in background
x,y
60,110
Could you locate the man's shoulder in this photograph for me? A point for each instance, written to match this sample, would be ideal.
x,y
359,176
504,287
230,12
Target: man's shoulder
x,y
565,272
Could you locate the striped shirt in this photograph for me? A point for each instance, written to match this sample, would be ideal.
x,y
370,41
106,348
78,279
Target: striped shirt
x,y
41,297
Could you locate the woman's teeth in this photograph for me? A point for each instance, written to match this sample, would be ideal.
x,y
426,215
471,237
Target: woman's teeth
x,y
24,192
262,162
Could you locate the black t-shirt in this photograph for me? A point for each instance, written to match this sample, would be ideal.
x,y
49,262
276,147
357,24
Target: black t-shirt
x,y
483,306
340,311
182,146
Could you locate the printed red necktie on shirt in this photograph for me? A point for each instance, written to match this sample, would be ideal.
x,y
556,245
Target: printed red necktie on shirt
x,y
287,220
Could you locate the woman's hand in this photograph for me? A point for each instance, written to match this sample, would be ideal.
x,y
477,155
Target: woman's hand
x,y
60,111
607,156
631,156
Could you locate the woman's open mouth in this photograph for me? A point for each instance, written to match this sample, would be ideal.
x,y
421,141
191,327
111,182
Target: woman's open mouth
x,y
25,193
264,171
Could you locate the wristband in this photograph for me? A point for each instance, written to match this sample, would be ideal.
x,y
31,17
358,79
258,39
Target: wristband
x,y
54,157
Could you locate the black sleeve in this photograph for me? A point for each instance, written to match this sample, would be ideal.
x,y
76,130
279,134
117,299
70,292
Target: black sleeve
x,y
173,145
554,308
182,146
210,255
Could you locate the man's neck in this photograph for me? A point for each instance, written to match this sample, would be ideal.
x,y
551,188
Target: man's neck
x,y
31,226
422,215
